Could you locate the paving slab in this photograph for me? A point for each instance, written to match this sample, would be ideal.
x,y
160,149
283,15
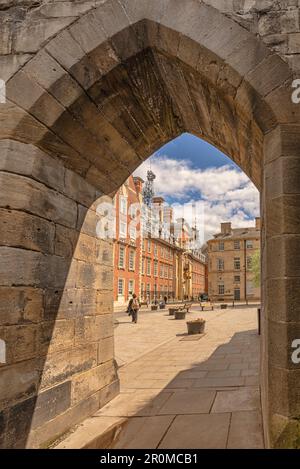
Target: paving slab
x,y
143,432
188,402
207,431
135,404
246,430
247,398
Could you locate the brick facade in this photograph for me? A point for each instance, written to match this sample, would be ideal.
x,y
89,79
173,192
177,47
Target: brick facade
x,y
150,267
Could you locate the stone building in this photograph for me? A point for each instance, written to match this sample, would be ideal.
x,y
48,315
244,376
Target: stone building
x,y
230,255
152,262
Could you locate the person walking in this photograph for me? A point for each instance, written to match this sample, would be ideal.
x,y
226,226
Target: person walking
x,y
135,306
129,307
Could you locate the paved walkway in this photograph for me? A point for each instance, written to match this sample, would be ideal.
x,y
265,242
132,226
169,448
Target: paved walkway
x,y
180,391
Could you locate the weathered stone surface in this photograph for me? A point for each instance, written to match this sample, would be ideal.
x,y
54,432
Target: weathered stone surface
x,y
93,328
86,302
54,428
33,34
33,412
78,189
22,193
56,335
19,267
20,305
21,342
31,97
10,64
86,275
65,241
62,365
88,32
28,160
106,350
85,248
87,220
51,403
283,299
104,302
18,382
50,75
60,304
104,252
88,383
22,230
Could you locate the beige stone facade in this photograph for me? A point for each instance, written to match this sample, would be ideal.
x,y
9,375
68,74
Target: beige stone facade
x,y
230,254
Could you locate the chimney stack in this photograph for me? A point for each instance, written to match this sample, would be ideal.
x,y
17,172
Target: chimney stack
x,y
257,223
226,228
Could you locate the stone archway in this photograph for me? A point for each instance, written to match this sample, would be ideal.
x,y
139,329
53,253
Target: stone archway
x,y
96,98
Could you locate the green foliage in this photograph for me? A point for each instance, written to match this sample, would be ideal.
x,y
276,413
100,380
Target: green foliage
x,y
255,269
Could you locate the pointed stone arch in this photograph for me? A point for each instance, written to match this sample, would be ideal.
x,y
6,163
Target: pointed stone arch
x,y
96,100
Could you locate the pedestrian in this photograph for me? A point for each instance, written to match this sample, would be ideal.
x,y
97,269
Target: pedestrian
x,y
129,307
165,299
135,306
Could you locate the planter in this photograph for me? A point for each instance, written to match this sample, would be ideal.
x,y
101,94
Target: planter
x,y
180,314
162,306
172,311
223,306
154,307
196,327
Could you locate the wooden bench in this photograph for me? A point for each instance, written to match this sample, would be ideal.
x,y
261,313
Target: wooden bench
x,y
206,304
186,307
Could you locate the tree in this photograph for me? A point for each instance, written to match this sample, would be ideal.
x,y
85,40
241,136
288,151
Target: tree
x,y
255,269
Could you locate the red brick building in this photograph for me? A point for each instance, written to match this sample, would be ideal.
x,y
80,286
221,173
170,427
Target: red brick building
x,y
127,242
157,271
152,266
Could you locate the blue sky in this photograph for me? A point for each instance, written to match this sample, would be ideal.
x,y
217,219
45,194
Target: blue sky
x,y
189,170
197,151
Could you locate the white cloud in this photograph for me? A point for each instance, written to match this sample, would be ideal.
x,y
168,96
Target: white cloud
x,y
224,193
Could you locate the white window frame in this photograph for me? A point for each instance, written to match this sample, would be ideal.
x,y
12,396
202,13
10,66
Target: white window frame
x,y
123,205
237,245
132,232
122,228
221,286
130,290
122,264
148,266
131,260
155,268
121,281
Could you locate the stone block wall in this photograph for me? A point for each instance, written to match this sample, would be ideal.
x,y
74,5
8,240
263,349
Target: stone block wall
x,y
55,299
281,283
